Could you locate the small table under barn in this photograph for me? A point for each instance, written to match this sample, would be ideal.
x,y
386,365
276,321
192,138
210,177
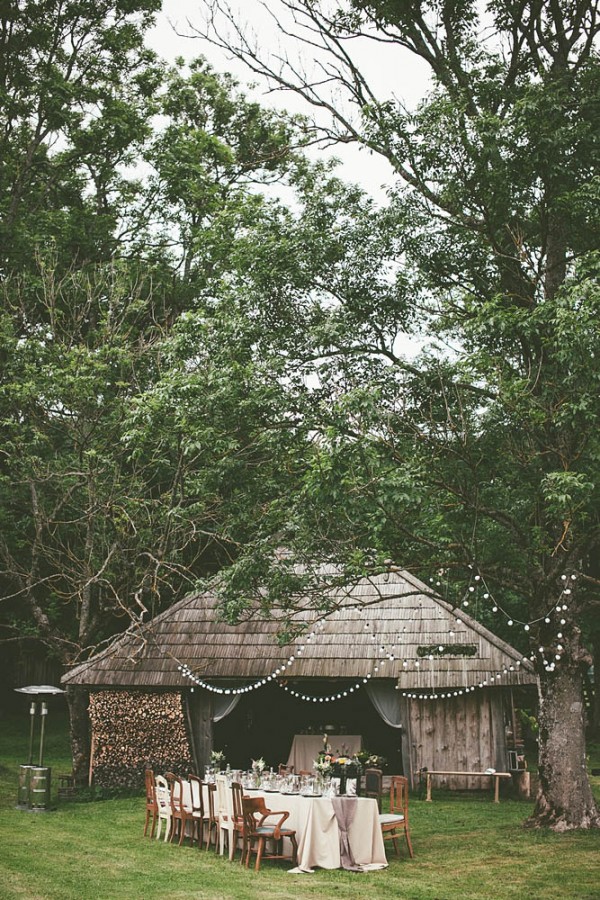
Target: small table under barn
x,y
306,748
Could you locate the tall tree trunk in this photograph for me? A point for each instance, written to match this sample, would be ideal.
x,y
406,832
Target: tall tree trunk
x,y
78,700
595,686
565,799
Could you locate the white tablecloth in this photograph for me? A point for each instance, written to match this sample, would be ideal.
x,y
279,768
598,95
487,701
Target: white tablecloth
x,y
306,748
318,834
317,831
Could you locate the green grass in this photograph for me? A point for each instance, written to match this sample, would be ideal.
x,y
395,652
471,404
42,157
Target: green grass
x,y
467,848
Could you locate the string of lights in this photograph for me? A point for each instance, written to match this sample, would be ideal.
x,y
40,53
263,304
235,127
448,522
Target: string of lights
x,y
548,658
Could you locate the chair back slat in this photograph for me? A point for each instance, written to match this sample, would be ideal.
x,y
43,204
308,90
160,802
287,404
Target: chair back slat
x,y
237,793
373,785
197,799
399,795
150,786
224,803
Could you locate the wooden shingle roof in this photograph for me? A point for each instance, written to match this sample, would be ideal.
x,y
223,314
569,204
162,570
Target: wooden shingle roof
x,y
389,615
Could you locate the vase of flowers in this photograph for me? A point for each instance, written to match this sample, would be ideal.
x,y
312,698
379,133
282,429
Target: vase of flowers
x,y
217,759
368,760
322,765
258,767
345,768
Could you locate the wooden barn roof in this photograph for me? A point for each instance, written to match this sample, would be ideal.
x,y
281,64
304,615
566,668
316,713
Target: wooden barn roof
x,y
386,615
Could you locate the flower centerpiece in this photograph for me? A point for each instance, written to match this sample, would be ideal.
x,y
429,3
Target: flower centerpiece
x,y
368,760
344,769
258,766
322,764
217,758
345,766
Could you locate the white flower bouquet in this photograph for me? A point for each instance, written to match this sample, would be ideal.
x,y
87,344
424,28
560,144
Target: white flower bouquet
x,y
322,765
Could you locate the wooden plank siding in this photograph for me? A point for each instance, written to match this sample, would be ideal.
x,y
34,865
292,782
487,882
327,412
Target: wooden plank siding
x,y
463,733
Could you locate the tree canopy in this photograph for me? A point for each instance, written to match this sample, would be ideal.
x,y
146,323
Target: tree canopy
x,y
481,454
197,373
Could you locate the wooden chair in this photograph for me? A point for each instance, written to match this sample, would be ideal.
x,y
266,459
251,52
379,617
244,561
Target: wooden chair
x,y
373,785
183,822
163,805
67,787
237,796
396,821
285,769
257,832
151,804
201,815
225,815
213,816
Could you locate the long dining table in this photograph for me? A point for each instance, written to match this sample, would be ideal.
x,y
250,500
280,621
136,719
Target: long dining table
x,y
318,830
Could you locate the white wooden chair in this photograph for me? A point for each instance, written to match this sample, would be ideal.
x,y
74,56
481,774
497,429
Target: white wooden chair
x,y
163,802
225,815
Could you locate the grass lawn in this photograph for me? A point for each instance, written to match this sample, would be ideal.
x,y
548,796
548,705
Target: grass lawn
x,y
464,848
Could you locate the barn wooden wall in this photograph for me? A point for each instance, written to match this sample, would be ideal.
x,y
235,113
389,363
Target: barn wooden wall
x,y
459,734
199,711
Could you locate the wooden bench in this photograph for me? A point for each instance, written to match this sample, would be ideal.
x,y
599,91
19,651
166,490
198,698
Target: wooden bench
x,y
495,775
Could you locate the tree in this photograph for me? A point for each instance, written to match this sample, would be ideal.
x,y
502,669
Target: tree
x,y
77,88
104,518
484,452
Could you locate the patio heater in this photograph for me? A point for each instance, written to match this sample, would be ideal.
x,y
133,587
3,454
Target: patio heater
x,y
35,780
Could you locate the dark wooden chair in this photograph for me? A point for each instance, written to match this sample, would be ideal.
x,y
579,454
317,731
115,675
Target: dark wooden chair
x,y
183,822
257,832
151,804
373,786
238,831
394,823
285,769
213,816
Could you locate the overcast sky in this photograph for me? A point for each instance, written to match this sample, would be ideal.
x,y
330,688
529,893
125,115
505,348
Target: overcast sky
x,y
391,72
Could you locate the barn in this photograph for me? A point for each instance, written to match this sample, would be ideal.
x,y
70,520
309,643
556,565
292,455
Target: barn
x,y
394,667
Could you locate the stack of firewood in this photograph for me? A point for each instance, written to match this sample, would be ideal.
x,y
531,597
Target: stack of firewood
x,y
132,731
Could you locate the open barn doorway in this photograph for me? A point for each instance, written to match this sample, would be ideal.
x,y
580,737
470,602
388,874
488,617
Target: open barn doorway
x,y
264,722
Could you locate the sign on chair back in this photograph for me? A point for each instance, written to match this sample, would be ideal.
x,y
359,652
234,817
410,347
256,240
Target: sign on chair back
x,y
163,803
